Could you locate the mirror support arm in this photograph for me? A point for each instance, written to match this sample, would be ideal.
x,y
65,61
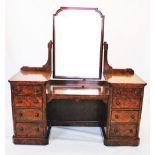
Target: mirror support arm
x,y
46,67
109,69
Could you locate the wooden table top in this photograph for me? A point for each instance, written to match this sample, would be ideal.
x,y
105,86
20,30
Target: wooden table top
x,y
46,76
31,76
124,79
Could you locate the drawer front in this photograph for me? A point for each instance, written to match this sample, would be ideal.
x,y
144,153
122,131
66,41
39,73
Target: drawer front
x,y
27,90
126,103
29,129
127,92
26,101
124,116
28,115
123,130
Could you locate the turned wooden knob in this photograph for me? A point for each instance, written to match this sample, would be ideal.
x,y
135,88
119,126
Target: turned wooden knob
x,y
37,129
115,131
20,101
136,92
39,95
133,116
21,129
131,131
117,102
36,115
20,114
35,101
116,116
18,90
38,91
119,92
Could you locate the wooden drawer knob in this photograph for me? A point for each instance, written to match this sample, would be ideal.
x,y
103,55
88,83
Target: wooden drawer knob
x,y
20,101
35,101
115,131
37,129
117,116
136,92
133,116
36,115
117,102
119,92
21,129
131,131
38,91
20,114
18,90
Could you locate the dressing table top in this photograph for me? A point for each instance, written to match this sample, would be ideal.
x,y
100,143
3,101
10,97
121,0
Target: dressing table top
x,y
38,76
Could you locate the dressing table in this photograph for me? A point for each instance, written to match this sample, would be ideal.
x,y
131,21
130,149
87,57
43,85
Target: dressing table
x,y
75,87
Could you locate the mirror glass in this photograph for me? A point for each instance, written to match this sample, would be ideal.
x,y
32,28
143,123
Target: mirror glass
x,y
77,41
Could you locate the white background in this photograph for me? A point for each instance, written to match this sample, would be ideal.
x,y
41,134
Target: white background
x,y
29,28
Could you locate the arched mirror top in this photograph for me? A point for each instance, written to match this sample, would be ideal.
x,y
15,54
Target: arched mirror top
x,y
79,8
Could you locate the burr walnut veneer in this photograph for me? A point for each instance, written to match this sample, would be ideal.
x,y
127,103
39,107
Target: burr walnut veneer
x,y
112,102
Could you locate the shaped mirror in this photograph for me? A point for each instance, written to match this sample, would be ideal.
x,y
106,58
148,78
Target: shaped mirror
x,y
78,38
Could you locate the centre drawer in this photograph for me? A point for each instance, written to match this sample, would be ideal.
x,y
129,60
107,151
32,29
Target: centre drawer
x,y
124,116
28,115
29,129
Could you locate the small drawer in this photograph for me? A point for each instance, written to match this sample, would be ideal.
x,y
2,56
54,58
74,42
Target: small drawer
x,y
28,101
124,116
128,92
126,103
29,129
28,115
27,90
123,130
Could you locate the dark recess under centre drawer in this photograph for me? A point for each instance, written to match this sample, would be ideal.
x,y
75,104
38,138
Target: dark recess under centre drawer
x,y
76,110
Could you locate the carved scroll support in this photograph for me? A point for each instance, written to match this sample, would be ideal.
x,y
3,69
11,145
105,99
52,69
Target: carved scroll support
x,y
109,69
44,68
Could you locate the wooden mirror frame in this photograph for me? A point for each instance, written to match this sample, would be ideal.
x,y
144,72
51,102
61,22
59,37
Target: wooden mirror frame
x,y
101,41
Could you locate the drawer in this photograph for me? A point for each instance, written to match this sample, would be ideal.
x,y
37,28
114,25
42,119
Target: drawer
x,y
28,101
27,90
124,116
28,115
29,129
123,130
126,103
128,92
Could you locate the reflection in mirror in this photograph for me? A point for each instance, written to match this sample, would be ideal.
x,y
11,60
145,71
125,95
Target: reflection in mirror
x,y
77,44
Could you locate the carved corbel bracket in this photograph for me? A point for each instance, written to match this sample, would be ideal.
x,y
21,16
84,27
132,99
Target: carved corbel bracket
x,y
109,69
44,68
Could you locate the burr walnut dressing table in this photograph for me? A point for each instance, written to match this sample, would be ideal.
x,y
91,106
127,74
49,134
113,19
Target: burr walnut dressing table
x,y
75,88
